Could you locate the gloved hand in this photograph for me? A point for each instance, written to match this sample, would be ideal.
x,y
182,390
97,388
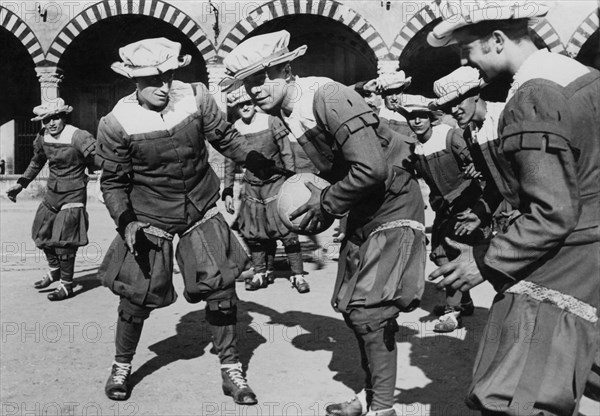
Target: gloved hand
x,y
14,191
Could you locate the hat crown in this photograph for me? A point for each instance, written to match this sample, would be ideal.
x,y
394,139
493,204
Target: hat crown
x,y
149,52
458,78
411,101
257,49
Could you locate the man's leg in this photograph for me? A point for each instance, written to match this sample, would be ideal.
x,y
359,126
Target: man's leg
x,y
130,323
259,262
66,258
53,274
293,250
271,250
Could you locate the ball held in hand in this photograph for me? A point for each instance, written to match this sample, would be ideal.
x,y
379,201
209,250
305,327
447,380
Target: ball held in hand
x,y
293,194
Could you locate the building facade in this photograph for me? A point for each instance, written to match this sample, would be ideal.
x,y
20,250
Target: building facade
x,y
65,48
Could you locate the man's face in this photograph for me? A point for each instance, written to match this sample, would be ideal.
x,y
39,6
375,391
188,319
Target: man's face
x,y
268,88
153,92
464,111
373,100
419,122
393,101
54,124
246,110
478,53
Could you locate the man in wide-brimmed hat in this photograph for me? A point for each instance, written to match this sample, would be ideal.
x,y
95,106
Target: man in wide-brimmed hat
x,y
441,158
545,266
156,183
61,222
383,257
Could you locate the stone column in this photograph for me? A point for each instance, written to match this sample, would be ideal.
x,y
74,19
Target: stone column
x,y
50,78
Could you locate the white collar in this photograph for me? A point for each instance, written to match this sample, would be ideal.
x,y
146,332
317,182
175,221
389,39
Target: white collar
x,y
65,136
489,128
436,143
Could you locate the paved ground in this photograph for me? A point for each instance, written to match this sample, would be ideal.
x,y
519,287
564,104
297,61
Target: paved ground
x,y
55,357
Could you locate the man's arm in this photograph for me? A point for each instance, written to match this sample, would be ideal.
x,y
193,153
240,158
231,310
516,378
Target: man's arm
x,y
349,119
113,156
36,164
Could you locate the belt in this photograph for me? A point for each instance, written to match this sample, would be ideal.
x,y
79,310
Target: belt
x,y
415,225
158,232
72,205
562,301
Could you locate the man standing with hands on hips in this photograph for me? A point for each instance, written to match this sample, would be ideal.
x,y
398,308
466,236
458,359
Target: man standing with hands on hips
x,y
545,267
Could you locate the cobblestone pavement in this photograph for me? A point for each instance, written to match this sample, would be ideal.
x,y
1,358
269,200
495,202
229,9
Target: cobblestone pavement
x,y
55,357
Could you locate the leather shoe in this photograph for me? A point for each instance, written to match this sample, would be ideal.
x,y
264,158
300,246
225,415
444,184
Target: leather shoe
x,y
117,386
47,280
62,292
300,284
352,407
236,386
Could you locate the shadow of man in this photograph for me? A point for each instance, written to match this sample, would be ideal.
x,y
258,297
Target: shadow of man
x,y
191,340
445,359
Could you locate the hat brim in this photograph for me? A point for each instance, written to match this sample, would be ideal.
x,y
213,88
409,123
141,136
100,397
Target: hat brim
x,y
67,109
236,80
175,62
460,92
442,34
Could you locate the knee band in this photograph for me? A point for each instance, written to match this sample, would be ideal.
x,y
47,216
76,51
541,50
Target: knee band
x,y
293,248
132,313
223,313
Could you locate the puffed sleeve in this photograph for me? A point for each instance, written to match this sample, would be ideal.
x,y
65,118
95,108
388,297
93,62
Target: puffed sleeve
x,y
217,130
113,156
36,164
346,116
535,141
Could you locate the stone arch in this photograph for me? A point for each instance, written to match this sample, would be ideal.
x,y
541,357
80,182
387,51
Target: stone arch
x,y
153,8
586,29
15,25
432,11
326,8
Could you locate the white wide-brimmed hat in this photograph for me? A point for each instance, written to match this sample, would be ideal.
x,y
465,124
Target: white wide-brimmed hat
x,y
389,82
150,57
457,15
51,108
456,84
257,53
411,103
237,96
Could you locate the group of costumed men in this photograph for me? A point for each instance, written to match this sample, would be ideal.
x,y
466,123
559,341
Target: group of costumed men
x,y
538,152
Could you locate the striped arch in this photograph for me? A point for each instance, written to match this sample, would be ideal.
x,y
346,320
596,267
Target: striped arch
x,y
326,8
432,12
108,8
590,25
19,28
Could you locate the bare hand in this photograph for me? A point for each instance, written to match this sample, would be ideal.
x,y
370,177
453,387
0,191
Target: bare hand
x,y
471,173
467,223
131,232
315,217
14,191
339,232
461,273
229,204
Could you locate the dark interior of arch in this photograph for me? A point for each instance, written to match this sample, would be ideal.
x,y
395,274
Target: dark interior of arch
x,y
589,54
92,87
334,50
427,64
20,89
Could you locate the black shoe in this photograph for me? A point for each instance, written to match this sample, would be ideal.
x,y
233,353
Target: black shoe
x,y
257,282
270,277
236,386
47,280
117,387
64,291
299,283
467,309
350,408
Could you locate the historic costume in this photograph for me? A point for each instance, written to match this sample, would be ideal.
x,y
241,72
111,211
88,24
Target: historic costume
x,y
542,333
383,258
155,175
61,222
258,220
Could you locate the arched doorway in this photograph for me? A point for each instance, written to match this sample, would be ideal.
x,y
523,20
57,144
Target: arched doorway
x,y
20,93
91,87
334,50
589,54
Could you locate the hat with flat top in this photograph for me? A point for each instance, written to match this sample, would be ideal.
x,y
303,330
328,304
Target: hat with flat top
x,y
150,57
461,14
456,85
256,54
414,103
51,108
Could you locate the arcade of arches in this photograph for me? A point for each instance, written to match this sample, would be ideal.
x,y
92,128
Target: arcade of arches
x,y
81,72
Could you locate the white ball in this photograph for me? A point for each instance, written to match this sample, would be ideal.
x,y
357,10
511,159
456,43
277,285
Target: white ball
x,y
293,194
